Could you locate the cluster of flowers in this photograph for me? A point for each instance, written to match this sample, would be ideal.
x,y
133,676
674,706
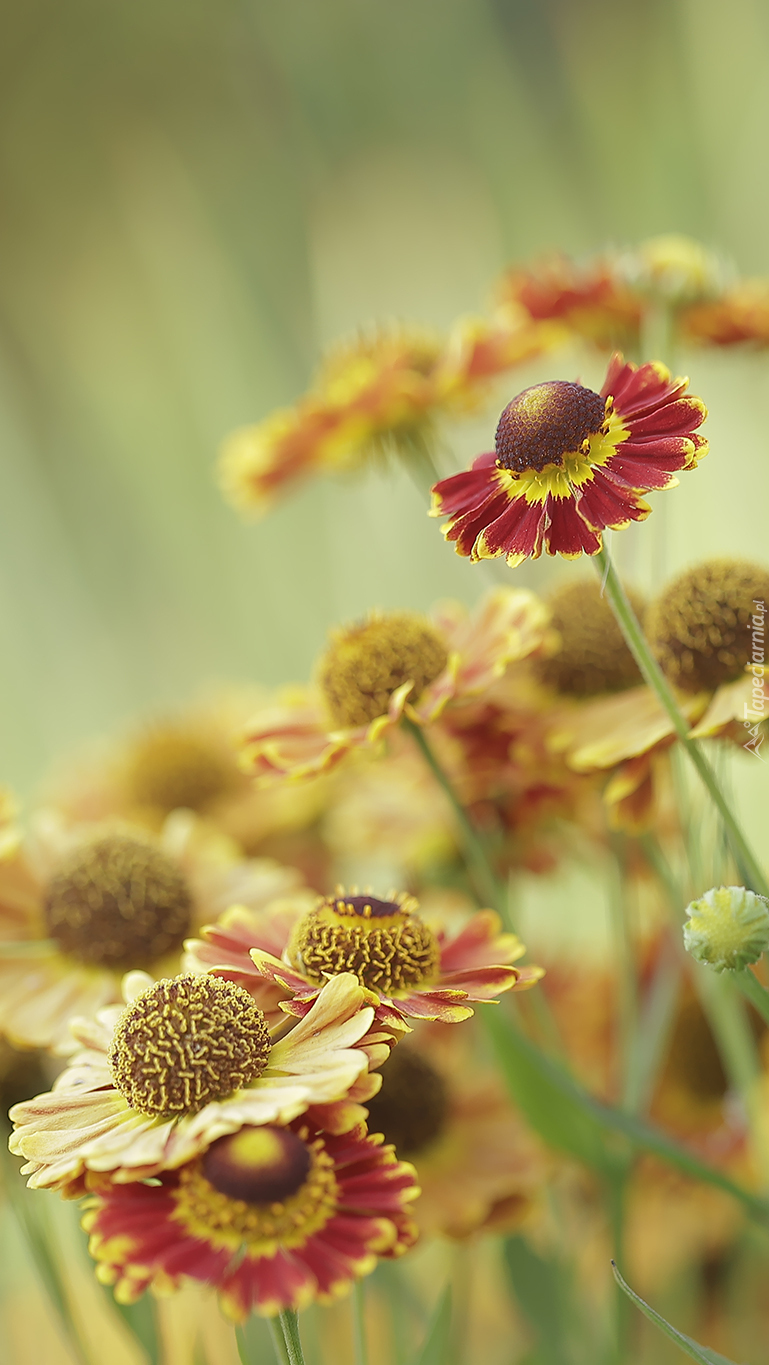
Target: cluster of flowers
x,y
385,391
259,1088
214,1120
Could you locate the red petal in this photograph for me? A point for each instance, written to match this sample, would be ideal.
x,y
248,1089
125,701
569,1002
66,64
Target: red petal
x,y
568,534
518,531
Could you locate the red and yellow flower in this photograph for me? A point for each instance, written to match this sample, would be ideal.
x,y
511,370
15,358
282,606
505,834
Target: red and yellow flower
x,y
187,1060
379,394
271,1217
570,463
391,665
415,971
588,298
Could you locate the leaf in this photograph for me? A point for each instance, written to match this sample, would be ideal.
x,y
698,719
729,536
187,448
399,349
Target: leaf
x,y
690,1348
547,1095
434,1348
542,1293
568,1117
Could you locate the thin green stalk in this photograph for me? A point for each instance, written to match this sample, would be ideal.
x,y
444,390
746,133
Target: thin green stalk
x,y
628,1010
746,860
278,1341
753,991
289,1325
489,888
359,1322
488,884
655,1028
616,1201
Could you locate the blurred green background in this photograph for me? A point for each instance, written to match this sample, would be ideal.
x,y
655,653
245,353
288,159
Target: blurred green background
x,y
197,196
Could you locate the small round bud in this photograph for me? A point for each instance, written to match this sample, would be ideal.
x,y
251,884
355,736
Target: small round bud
x,y
728,928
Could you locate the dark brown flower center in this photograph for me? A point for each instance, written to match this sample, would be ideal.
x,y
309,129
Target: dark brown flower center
x,y
257,1188
367,663
592,656
186,1042
412,1106
546,422
701,628
383,942
258,1165
118,902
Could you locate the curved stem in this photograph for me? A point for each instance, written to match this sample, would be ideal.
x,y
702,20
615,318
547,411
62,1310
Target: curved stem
x,y
487,882
746,860
753,991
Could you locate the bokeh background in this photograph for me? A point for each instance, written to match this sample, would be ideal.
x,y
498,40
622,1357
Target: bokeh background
x,y
198,196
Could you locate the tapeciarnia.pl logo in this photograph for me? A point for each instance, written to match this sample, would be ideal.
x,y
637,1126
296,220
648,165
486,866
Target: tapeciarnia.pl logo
x,y
754,712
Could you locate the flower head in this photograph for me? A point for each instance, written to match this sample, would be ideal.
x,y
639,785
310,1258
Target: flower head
x,y
390,664
700,625
728,928
591,655
590,298
273,1217
377,394
416,971
186,1061
80,905
570,463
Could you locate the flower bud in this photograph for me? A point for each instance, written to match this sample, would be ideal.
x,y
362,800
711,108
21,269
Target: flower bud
x,y
728,928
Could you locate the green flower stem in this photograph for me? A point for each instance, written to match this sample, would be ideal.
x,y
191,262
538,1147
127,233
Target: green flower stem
x,y
289,1328
489,888
628,1005
655,1028
487,883
359,1322
746,860
753,991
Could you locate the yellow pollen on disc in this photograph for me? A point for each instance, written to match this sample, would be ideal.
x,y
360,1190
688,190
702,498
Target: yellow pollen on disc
x,y
186,1042
383,942
366,663
295,1187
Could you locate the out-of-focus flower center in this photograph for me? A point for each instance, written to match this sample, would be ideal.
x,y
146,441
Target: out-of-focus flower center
x,y
693,1061
547,422
592,656
383,942
186,1042
412,1106
367,663
118,902
258,1186
700,627
171,767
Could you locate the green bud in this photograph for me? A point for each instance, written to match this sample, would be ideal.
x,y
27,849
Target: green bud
x,y
728,928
